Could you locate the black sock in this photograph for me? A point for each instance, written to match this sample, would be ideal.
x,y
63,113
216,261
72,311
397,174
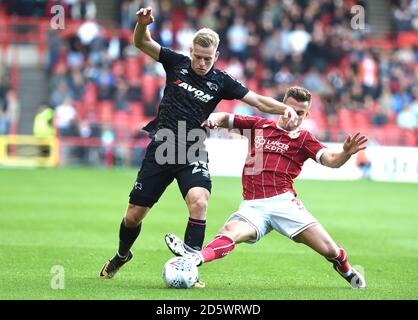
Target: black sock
x,y
195,233
127,237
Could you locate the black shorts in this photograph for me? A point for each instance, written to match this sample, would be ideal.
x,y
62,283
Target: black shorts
x,y
153,179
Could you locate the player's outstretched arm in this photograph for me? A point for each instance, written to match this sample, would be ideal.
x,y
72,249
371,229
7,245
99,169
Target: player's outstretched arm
x,y
270,105
142,37
217,120
352,145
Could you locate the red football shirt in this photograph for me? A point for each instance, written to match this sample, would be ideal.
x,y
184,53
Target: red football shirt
x,y
275,156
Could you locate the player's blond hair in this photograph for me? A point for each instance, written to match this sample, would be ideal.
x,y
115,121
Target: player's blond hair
x,y
299,94
206,37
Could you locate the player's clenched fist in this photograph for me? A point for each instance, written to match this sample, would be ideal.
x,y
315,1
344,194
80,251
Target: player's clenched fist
x,y
144,16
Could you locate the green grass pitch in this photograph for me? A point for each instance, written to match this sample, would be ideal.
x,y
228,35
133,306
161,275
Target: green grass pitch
x,y
71,217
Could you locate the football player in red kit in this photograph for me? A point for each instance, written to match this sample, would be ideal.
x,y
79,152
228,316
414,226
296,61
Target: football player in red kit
x,y
277,151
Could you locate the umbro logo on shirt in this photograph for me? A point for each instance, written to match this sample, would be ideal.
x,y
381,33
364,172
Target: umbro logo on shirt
x,y
198,94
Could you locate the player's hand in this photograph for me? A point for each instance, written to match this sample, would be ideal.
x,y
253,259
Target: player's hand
x,y
355,143
291,116
144,16
210,123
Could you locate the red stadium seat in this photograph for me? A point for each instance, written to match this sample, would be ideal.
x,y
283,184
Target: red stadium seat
x,y
133,68
149,85
361,121
408,138
118,69
105,111
225,106
136,110
318,117
90,94
345,119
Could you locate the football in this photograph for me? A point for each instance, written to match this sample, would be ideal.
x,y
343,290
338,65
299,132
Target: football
x,y
180,273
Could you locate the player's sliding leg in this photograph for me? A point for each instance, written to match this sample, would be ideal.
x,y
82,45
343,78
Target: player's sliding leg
x,y
317,238
129,230
197,203
233,232
224,242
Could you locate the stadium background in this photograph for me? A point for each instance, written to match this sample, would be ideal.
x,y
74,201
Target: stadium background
x,y
101,91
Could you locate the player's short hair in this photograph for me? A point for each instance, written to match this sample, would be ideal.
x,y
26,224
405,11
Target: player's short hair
x,y
206,37
299,94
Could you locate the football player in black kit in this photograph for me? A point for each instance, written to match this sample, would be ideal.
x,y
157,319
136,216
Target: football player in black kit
x,y
193,89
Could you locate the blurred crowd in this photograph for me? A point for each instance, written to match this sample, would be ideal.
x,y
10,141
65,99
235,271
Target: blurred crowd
x,y
97,77
9,103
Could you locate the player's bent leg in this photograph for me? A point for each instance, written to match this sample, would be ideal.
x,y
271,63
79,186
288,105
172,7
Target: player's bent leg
x,y
239,231
233,232
317,238
134,215
129,231
197,203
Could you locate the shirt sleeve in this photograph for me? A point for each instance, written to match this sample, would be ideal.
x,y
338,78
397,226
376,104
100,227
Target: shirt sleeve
x,y
313,148
233,89
243,122
170,58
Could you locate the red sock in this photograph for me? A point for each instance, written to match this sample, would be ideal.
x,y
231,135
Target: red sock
x,y
218,248
341,262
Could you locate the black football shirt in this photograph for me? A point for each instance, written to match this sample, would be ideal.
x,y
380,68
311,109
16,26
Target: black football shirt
x,y
188,101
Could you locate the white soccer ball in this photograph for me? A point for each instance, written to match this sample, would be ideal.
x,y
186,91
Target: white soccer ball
x,y
180,273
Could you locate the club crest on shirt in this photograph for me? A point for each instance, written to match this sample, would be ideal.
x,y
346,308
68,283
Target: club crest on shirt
x,y
294,134
259,141
212,86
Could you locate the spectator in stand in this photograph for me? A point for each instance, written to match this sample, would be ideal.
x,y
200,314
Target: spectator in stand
x,y
65,119
235,68
76,83
407,119
121,95
4,119
60,94
314,82
43,127
238,35
115,46
125,17
369,74
379,115
364,164
83,10
402,16
185,36
88,31
13,110
299,39
414,103
357,95
105,84
208,18
134,93
165,34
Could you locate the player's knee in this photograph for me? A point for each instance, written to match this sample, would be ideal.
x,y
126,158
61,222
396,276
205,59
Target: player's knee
x,y
227,229
134,215
237,231
197,208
